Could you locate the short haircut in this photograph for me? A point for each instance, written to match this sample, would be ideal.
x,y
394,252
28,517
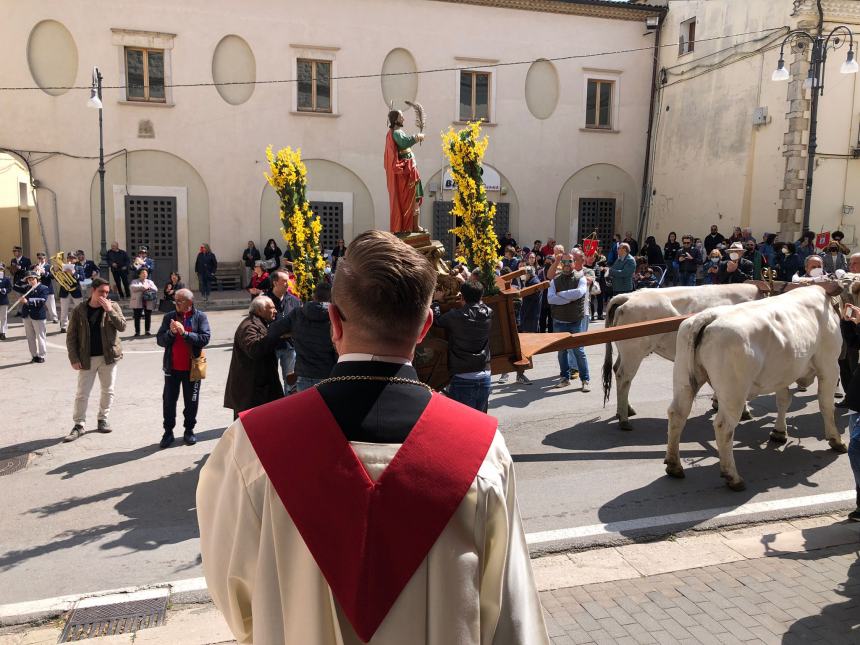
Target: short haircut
x,y
577,253
258,304
812,258
384,286
98,282
624,245
472,292
278,275
322,292
188,294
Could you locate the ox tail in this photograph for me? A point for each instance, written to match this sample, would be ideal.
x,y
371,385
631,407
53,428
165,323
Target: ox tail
x,y
614,305
689,339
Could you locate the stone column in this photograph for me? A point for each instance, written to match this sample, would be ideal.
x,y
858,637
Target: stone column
x,y
790,213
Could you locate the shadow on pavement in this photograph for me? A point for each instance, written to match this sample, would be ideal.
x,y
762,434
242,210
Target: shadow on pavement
x,y
837,622
112,459
158,512
6,367
763,468
28,446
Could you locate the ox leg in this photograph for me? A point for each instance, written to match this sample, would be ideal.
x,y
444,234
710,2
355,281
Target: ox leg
x,y
724,428
779,434
826,389
678,413
625,370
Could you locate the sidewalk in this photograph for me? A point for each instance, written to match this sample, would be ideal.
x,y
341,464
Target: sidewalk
x,y
787,582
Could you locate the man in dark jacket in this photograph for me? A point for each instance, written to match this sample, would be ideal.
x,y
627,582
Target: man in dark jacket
x,y
689,260
253,377
183,335
311,331
851,318
119,262
468,329
737,269
5,289
713,239
285,302
34,310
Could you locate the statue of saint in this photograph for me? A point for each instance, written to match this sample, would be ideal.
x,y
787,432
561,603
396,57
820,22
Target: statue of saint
x,y
405,191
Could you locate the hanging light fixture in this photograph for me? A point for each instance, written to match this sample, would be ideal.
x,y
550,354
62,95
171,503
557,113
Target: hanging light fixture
x,y
781,73
850,65
95,101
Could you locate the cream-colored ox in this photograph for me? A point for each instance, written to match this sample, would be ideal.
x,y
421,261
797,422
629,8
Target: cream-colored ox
x,y
751,349
653,304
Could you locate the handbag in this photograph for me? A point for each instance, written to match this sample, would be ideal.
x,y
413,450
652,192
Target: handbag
x,y
149,295
269,264
198,367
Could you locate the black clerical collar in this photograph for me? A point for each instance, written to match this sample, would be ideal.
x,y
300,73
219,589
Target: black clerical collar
x,y
374,368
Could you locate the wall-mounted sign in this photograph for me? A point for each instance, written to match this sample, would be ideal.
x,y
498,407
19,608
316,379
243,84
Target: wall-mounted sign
x,y
492,180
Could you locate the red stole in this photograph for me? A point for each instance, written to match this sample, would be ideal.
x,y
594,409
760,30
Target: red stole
x,y
367,538
402,178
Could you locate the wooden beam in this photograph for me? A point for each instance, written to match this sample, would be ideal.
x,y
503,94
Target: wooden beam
x,y
532,344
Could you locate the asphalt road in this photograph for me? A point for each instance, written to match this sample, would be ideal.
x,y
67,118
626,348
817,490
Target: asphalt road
x,y
111,511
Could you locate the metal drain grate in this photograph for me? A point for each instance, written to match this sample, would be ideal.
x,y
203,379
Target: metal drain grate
x,y
9,465
118,618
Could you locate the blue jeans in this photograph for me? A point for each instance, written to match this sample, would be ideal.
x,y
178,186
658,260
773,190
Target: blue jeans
x,y
287,359
306,382
474,392
688,279
568,356
854,450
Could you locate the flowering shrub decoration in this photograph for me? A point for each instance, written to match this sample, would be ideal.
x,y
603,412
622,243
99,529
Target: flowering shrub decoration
x,y
473,213
300,227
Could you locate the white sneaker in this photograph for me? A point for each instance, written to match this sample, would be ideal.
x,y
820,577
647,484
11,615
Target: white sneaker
x,y
586,386
523,379
503,378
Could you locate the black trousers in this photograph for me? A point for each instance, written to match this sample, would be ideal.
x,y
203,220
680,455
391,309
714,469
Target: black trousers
x,y
120,278
545,322
847,366
146,314
190,399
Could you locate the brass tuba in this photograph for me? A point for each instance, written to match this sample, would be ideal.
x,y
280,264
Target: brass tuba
x,y
65,280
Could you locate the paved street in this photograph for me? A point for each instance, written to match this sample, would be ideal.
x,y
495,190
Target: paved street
x,y
111,511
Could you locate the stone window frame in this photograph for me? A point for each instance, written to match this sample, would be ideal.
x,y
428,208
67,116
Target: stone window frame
x,y
604,75
322,53
687,30
137,39
315,63
481,66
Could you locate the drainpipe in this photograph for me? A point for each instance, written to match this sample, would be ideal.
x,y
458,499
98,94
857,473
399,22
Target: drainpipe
x,y
644,207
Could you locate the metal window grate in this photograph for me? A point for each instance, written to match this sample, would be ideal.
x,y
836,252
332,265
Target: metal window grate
x,y
502,220
597,215
331,218
151,222
119,618
443,221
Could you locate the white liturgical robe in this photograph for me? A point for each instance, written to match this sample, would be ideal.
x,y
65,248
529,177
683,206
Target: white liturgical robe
x,y
475,585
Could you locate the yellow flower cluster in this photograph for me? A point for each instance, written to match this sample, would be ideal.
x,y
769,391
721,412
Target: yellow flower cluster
x,y
300,227
473,213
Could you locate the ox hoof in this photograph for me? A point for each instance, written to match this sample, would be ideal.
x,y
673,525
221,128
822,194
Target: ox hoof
x,y
631,412
836,445
715,405
778,437
737,486
746,415
625,425
675,470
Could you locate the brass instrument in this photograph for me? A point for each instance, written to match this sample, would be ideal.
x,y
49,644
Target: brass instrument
x,y
768,275
65,280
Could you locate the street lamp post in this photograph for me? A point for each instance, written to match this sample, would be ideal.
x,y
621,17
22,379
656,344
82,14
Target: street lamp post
x,y
95,102
815,82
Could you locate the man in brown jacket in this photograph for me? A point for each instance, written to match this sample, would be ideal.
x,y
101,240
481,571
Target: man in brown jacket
x,y
94,348
253,378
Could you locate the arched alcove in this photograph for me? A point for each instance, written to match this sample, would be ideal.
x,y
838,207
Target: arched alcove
x,y
52,57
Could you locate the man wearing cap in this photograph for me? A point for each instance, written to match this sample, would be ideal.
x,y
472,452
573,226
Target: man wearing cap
x,y
18,258
89,267
43,270
34,312
144,261
312,531
5,290
94,349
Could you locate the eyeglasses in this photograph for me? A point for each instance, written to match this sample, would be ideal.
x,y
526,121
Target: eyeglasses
x,y
567,261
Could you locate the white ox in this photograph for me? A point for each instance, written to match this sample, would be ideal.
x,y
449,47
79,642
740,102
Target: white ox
x,y
652,304
750,349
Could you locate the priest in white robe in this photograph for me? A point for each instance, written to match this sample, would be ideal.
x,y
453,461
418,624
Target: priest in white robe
x,y
367,509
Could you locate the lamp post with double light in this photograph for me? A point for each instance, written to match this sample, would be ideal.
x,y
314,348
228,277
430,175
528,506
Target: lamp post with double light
x,y
95,102
820,45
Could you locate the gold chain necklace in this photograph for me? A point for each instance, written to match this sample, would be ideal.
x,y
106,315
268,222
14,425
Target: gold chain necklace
x,y
385,379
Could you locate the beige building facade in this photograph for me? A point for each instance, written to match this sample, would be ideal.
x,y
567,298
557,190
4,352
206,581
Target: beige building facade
x,y
730,144
195,91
